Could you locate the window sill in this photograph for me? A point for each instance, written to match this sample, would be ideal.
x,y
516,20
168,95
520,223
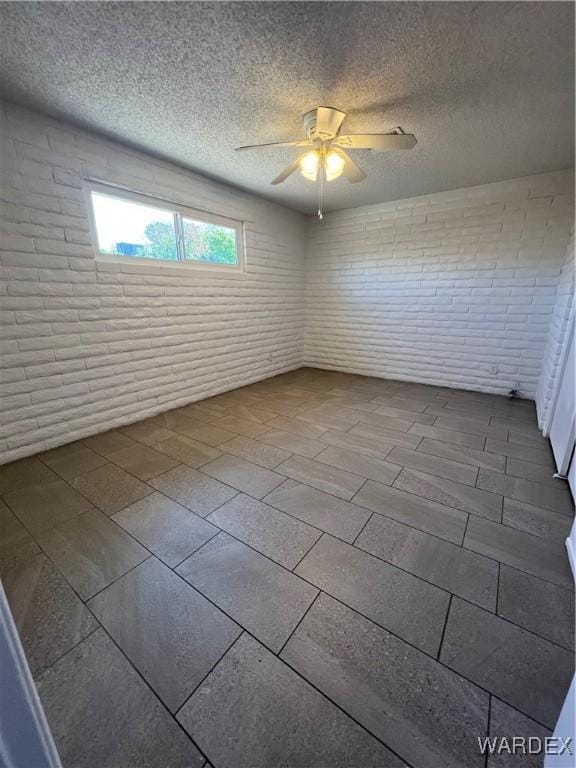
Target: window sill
x,y
135,264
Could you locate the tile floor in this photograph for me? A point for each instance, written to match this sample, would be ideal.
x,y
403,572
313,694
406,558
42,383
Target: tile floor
x,y
317,570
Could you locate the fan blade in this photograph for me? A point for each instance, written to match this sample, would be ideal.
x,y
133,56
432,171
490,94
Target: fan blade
x,y
382,141
287,171
300,143
353,172
328,122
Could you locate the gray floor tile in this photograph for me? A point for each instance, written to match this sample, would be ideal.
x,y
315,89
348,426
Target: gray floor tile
x,y
142,461
525,671
528,435
386,422
527,470
325,478
467,415
322,510
101,713
432,465
188,451
408,404
50,618
110,488
109,442
448,436
171,634
405,415
41,507
463,454
359,464
538,494
366,444
404,439
535,520
253,711
261,596
506,722
148,432
204,410
91,551
210,434
531,554
426,515
288,441
355,404
72,460
243,475
473,426
167,529
297,427
464,497
273,533
193,489
238,426
398,601
385,684
252,450
284,409
180,422
258,412
16,544
541,607
20,474
333,418
457,570
536,455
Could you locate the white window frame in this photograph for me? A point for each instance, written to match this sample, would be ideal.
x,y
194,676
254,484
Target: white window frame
x,y
179,212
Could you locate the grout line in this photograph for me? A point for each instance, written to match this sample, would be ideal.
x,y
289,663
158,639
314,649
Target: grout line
x,y
464,536
213,667
149,687
488,725
444,628
306,612
293,570
41,671
498,589
362,530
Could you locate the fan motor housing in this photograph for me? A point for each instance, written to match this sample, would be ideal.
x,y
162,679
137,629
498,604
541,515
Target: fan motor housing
x,y
310,120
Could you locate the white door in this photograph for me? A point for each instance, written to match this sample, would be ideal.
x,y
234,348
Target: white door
x,y
563,429
25,738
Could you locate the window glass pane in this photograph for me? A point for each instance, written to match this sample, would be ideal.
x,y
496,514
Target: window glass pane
x,y
131,229
211,243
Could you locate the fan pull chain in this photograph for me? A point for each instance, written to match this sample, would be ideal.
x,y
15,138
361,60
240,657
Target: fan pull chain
x,y
321,192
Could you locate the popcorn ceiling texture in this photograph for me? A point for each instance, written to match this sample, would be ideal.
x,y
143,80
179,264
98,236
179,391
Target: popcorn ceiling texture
x,y
454,289
487,87
445,289
90,345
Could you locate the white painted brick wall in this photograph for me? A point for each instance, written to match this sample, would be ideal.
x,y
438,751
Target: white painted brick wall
x,y
88,345
562,315
454,289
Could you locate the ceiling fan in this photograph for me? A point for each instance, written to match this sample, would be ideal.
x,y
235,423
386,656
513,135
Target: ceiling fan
x,y
325,158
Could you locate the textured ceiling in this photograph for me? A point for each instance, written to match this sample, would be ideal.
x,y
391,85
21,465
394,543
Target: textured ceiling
x,y
488,88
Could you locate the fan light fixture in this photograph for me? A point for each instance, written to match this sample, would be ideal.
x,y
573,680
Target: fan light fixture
x,y
330,162
327,157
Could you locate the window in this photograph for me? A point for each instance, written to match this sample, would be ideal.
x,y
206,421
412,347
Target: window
x,y
131,227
